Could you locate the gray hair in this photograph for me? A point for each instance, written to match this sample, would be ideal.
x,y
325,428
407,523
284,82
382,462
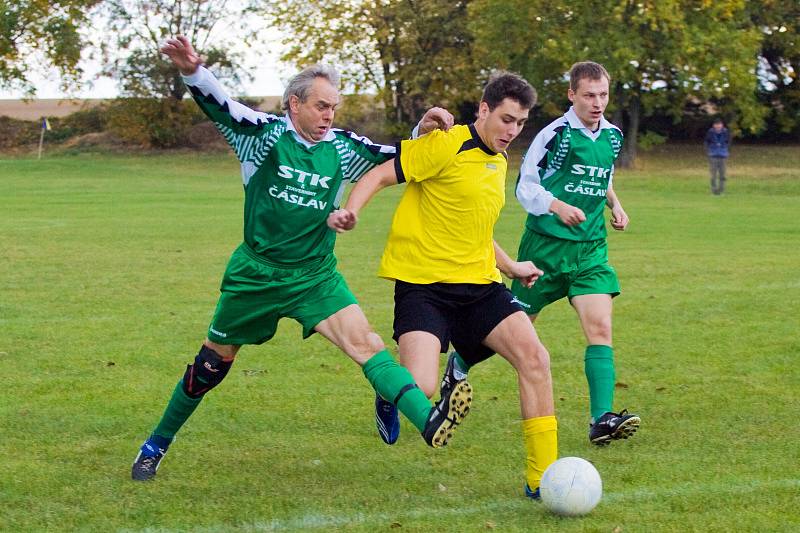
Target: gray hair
x,y
300,84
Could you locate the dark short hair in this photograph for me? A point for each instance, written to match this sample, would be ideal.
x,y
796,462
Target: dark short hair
x,y
586,69
717,121
502,85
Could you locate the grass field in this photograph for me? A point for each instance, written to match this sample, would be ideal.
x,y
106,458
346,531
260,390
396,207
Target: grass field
x,y
109,268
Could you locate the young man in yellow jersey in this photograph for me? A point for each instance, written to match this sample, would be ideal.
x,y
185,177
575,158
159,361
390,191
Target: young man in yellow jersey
x,y
444,261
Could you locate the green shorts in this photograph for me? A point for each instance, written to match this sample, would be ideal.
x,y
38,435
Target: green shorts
x,y
571,268
256,295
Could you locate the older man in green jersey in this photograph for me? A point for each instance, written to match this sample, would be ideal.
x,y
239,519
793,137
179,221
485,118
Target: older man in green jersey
x,y
294,169
564,184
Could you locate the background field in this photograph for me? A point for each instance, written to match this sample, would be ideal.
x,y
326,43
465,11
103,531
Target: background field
x,y
108,274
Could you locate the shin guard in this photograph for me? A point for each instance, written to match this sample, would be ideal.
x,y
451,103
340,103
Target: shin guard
x,y
207,371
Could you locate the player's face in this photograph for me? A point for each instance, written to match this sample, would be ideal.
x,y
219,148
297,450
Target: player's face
x,y
313,118
498,127
590,100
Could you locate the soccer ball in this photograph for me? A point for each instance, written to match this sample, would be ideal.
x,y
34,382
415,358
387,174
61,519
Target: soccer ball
x,y
571,487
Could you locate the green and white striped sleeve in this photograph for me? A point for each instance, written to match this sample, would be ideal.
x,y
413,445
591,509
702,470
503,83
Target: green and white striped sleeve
x,y
359,154
250,133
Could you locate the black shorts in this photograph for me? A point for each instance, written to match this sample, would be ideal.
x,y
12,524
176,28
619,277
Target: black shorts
x,y
459,313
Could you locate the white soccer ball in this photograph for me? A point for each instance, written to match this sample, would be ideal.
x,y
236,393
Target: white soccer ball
x,y
571,487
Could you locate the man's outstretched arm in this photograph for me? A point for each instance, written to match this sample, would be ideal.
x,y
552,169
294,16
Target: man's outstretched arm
x,y
525,271
373,181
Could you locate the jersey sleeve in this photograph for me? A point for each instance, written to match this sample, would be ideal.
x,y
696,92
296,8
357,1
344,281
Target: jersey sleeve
x,y
425,157
360,155
536,166
238,123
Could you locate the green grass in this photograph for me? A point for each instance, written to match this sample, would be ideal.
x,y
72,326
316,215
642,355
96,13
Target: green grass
x,y
109,268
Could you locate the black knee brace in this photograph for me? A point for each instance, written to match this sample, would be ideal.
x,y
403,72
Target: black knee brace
x,y
207,371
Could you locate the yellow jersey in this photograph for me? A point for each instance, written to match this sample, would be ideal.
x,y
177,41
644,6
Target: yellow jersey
x,y
443,227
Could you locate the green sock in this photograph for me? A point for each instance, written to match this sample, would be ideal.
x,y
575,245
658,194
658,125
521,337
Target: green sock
x,y
599,368
179,409
388,378
460,364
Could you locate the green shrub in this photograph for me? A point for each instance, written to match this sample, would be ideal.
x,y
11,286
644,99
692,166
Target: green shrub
x,y
650,139
153,123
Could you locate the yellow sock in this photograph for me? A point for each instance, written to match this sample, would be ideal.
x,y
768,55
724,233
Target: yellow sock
x,y
541,445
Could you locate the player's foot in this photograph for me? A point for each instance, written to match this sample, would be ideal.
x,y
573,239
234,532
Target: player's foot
x,y
532,494
447,414
150,455
452,375
613,426
386,420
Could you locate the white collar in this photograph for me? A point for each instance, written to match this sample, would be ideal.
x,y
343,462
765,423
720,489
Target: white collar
x,y
576,123
302,140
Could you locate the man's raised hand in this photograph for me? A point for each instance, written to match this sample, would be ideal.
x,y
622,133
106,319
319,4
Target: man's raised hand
x,y
182,54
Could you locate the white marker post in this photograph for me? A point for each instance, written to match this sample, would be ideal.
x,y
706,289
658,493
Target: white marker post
x,y
45,126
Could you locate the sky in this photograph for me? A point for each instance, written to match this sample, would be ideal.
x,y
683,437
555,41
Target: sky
x,y
268,81
269,74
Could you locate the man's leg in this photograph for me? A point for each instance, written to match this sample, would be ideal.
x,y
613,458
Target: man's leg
x,y
721,186
515,340
594,311
349,330
419,353
712,163
210,367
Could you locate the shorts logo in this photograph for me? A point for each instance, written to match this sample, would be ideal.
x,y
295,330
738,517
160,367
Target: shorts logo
x,y
516,300
217,333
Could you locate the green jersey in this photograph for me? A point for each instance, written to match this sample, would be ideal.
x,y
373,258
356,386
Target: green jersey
x,y
569,162
290,184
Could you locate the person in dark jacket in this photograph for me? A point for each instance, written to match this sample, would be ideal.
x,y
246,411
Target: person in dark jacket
x,y
717,141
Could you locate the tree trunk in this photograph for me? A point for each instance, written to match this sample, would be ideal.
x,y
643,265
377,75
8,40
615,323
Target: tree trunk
x,y
631,132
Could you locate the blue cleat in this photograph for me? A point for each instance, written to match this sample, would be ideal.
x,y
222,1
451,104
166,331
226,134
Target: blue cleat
x,y
386,420
532,494
150,455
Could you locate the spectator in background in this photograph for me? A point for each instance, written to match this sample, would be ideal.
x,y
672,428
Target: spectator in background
x,y
718,140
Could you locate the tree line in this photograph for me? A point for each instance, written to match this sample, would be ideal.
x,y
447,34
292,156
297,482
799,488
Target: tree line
x,y
671,61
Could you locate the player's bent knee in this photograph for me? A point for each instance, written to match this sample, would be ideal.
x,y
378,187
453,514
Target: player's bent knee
x,y
535,363
207,371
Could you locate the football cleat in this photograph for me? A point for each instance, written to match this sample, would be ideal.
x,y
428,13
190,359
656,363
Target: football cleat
x,y
451,376
532,494
613,426
447,414
147,462
387,420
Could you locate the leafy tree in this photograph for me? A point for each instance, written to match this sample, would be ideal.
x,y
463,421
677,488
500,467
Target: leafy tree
x,y
779,21
410,52
48,27
660,53
140,27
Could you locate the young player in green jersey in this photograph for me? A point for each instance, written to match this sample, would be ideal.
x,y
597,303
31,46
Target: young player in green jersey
x,y
446,266
294,169
564,184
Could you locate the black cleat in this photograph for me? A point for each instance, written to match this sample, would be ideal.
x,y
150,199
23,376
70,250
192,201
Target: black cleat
x,y
451,376
447,414
146,463
613,426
